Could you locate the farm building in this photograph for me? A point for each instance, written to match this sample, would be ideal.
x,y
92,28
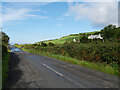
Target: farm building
x,y
95,37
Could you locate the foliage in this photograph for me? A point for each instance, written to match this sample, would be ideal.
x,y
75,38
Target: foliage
x,y
5,39
84,39
111,68
51,44
111,32
5,66
5,56
4,50
43,44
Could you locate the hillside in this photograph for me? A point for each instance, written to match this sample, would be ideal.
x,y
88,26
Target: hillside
x,y
68,38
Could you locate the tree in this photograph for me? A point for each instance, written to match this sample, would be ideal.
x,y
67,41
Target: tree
x,y
43,44
5,38
109,32
5,42
84,39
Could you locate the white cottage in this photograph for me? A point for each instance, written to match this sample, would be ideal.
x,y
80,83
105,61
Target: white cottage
x,y
74,40
95,37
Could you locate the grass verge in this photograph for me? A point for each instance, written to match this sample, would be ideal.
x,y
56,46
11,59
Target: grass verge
x,y
96,66
5,66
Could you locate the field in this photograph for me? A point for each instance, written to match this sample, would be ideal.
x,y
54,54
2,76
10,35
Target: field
x,y
67,38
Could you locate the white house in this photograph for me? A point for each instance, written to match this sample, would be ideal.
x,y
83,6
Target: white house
x,y
74,40
95,37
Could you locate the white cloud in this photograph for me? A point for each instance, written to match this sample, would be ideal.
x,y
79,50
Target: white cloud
x,y
100,14
20,14
15,14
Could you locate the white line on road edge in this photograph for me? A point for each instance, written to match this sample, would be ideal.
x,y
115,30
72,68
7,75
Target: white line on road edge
x,y
52,69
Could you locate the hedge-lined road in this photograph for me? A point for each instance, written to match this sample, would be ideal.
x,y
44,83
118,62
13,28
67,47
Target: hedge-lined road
x,y
28,70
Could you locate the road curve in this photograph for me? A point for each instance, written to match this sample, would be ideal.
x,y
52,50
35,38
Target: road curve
x,y
28,70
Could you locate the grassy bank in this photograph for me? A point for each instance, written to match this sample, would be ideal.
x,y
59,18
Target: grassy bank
x,y
5,66
106,68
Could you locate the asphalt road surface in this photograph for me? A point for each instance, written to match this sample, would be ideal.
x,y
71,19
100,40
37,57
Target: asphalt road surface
x,y
28,70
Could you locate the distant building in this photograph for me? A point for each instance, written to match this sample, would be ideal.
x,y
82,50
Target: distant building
x,y
74,40
95,37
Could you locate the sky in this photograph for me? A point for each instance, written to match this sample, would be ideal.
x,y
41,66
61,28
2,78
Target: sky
x,y
30,22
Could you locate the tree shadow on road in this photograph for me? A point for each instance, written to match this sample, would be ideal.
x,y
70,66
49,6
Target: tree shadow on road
x,y
14,73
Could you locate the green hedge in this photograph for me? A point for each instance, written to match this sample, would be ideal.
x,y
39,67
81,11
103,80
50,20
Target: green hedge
x,y
102,52
5,62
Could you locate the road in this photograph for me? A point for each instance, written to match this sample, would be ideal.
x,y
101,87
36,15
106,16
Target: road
x,y
28,70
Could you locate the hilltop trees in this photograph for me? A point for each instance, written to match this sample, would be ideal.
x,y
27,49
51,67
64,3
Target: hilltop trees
x,y
110,32
43,44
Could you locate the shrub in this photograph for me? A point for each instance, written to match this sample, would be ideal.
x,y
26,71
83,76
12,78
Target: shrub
x,y
43,44
84,39
50,44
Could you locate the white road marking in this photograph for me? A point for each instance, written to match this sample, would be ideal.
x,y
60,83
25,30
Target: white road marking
x,y
52,69
81,86
63,76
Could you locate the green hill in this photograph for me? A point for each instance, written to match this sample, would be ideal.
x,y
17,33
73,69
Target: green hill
x,y
68,38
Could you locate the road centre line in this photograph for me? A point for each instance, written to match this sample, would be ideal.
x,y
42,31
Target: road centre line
x,y
63,75
52,69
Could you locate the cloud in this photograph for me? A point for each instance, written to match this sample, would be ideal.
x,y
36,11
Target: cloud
x,y
15,14
37,16
99,13
20,14
23,11
26,4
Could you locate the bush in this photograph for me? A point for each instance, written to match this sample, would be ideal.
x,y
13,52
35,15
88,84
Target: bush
x,y
84,39
43,44
50,44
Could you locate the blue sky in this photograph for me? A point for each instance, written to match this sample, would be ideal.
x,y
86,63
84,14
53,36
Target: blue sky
x,y
33,22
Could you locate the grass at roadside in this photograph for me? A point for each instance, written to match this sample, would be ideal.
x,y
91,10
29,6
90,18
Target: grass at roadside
x,y
96,66
5,66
